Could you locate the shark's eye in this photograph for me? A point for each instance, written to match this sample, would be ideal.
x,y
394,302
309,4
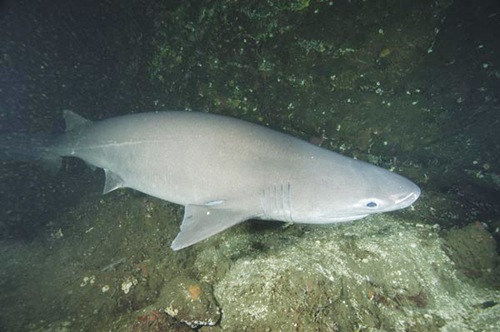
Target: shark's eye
x,y
371,204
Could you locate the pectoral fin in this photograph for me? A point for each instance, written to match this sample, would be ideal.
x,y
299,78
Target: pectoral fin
x,y
202,221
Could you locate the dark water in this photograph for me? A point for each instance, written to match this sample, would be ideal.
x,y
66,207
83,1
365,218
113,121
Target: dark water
x,y
408,86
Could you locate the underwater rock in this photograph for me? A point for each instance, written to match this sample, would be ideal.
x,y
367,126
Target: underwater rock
x,y
189,301
473,250
380,273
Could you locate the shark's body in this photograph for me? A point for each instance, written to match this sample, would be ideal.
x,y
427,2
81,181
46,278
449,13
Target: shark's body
x,y
225,171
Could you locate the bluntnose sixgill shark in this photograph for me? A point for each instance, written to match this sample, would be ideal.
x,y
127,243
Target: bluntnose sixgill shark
x,y
225,171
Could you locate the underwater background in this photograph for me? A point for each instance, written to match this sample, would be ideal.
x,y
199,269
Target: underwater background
x,y
411,86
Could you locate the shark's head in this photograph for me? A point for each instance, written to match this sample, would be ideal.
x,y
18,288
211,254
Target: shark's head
x,y
378,190
353,192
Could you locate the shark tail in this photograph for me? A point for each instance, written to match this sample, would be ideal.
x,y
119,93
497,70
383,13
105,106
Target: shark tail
x,y
26,147
37,147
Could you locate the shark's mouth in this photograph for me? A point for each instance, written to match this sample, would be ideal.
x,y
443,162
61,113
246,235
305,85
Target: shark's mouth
x,y
406,200
345,218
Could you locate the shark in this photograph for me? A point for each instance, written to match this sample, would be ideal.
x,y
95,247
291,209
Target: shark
x,y
223,170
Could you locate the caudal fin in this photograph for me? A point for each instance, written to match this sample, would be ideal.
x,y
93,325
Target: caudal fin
x,y
28,147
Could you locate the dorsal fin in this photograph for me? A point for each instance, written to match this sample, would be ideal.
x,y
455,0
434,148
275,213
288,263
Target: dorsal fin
x,y
74,120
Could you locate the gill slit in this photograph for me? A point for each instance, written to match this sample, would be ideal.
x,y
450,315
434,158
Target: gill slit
x,y
276,202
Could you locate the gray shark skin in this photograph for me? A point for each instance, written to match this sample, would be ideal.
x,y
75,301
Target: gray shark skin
x,y
225,171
